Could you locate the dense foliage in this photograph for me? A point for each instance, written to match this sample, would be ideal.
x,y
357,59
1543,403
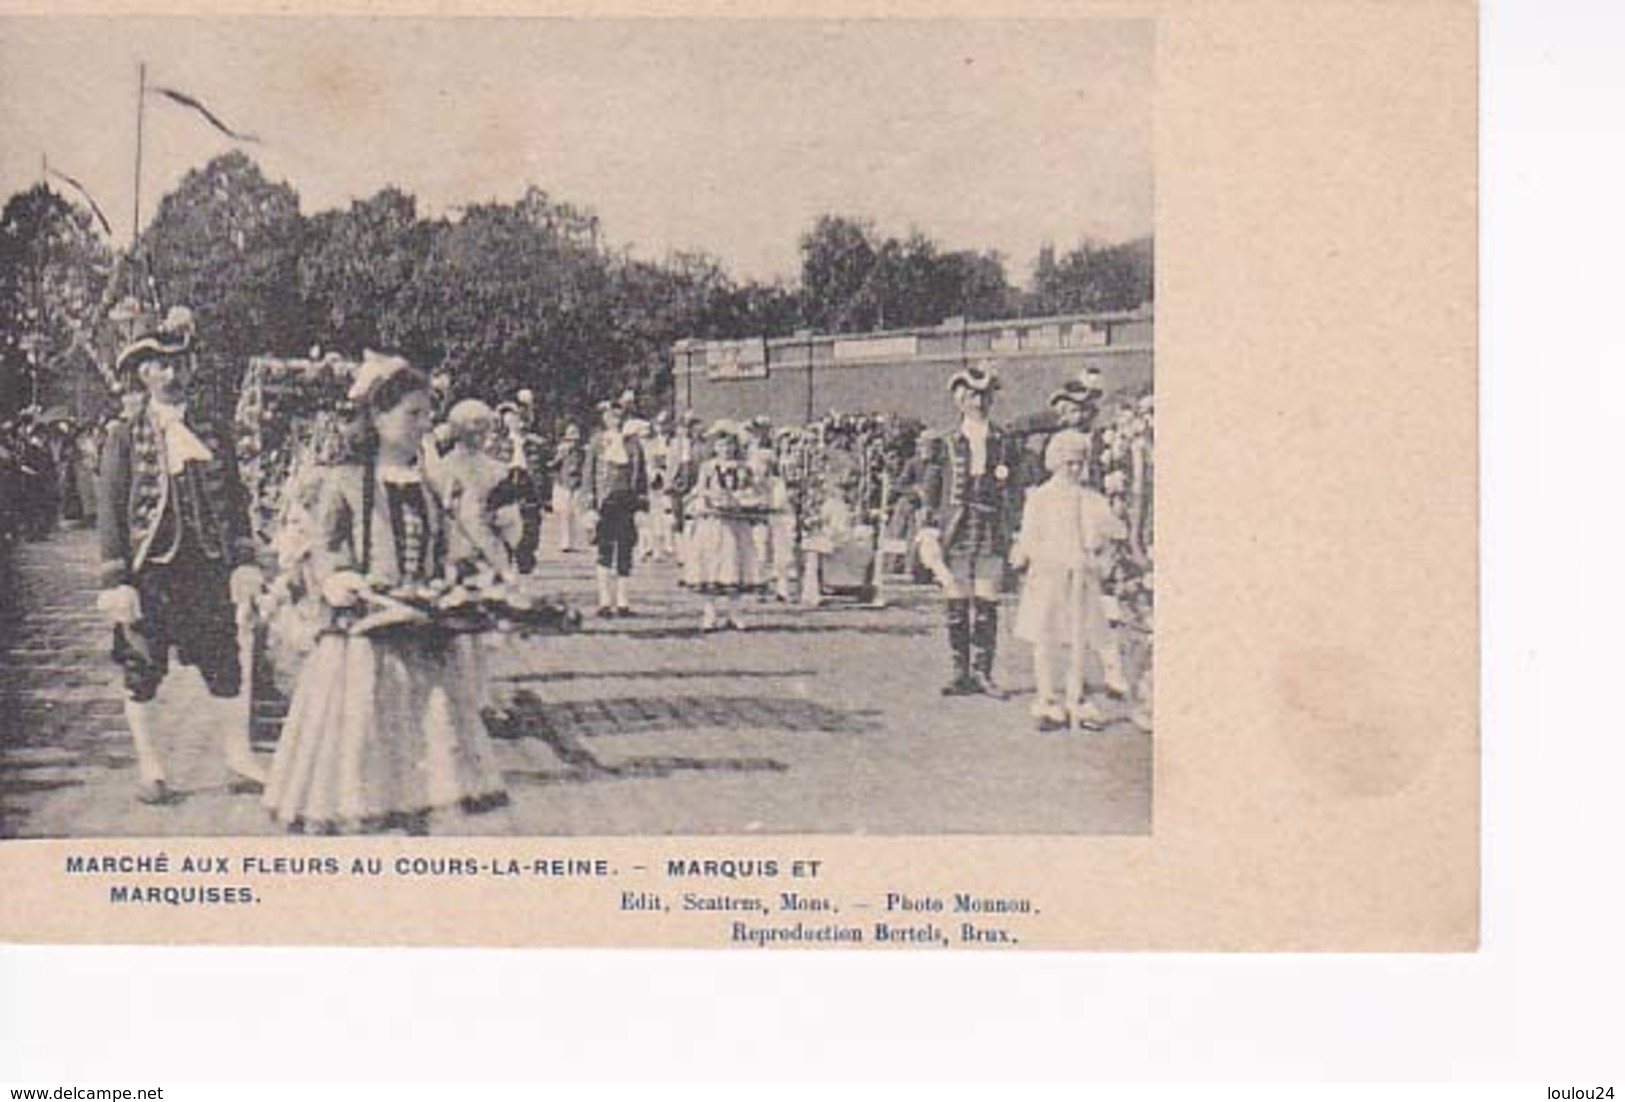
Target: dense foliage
x,y
499,295
53,269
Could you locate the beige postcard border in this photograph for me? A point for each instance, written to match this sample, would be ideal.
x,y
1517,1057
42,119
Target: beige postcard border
x,y
1316,746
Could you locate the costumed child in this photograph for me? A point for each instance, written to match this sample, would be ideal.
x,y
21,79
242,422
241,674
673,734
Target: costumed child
x,y
724,547
176,551
474,485
384,729
1065,545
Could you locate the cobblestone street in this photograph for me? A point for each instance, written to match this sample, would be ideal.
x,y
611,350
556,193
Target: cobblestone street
x,y
812,721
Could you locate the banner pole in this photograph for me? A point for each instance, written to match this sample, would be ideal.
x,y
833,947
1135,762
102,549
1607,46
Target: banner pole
x,y
140,112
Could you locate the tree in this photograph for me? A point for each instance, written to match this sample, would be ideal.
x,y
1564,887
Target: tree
x,y
508,296
354,266
913,283
53,267
1094,278
765,309
976,286
837,257
851,280
226,242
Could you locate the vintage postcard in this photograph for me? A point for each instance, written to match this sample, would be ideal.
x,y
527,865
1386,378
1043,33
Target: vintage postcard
x,y
956,480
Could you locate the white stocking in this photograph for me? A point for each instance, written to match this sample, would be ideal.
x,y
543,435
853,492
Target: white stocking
x,y
1077,683
1044,674
1111,662
139,716
234,743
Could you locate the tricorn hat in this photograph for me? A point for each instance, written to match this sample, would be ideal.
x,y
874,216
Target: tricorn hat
x,y
982,377
375,368
1086,389
155,340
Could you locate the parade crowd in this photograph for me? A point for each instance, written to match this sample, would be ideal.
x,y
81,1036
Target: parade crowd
x,y
424,505
48,462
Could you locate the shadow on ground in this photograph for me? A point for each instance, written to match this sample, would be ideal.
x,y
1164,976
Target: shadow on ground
x,y
665,673
566,726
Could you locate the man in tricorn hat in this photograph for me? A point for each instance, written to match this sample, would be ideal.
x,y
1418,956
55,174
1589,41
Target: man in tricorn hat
x,y
971,493
1075,405
176,551
615,486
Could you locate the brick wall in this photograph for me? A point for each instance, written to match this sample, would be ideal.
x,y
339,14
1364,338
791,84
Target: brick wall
x,y
907,371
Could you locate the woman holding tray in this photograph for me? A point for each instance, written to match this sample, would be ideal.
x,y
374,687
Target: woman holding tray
x,y
384,730
728,504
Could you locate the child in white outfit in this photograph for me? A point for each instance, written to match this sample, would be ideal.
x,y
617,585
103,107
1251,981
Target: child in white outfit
x,y
1065,543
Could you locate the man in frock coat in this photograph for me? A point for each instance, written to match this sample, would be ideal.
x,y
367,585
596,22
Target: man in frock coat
x,y
177,554
972,494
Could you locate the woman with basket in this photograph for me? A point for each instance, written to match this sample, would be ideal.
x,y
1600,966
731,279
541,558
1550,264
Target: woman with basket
x,y
728,505
384,730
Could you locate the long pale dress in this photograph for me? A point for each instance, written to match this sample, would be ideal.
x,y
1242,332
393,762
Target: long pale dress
x,y
384,730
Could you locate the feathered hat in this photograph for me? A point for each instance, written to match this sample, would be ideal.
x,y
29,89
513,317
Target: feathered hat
x,y
983,377
155,340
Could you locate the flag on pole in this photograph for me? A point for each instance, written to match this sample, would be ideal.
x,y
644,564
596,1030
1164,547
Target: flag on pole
x,y
95,207
214,120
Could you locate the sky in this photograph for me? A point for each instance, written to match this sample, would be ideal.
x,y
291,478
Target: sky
x,y
728,137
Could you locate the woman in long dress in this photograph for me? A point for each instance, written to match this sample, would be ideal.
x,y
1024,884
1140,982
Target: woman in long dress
x,y
724,546
384,730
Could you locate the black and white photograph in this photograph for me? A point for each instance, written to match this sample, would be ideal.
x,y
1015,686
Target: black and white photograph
x,y
572,427
486,488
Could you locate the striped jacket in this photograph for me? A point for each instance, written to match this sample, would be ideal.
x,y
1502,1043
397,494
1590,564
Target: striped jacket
x,y
135,494
976,514
601,478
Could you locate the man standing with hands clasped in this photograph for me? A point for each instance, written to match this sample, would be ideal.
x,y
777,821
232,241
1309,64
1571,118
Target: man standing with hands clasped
x,y
177,555
616,485
971,494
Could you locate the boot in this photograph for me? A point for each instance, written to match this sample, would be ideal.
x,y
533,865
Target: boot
x,y
152,788
985,645
606,598
959,644
623,604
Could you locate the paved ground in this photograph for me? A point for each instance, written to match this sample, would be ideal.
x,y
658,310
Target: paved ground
x,y
812,721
